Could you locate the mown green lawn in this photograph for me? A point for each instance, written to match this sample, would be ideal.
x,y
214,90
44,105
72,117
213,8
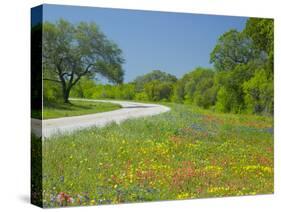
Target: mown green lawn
x,y
76,108
185,153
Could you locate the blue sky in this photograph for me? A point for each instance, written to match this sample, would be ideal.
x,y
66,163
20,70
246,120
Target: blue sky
x,y
172,42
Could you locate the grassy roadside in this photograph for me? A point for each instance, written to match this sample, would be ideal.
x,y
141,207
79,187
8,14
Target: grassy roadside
x,y
185,153
75,108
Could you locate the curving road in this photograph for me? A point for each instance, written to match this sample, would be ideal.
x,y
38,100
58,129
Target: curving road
x,y
129,110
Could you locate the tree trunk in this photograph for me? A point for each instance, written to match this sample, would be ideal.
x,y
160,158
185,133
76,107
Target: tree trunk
x,y
65,92
65,97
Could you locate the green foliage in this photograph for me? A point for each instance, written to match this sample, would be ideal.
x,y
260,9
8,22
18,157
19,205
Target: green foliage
x,y
224,100
51,92
84,88
153,90
198,84
231,96
72,51
238,85
259,93
125,91
153,75
157,90
233,48
142,96
234,85
196,87
240,57
104,92
87,88
178,91
261,31
206,97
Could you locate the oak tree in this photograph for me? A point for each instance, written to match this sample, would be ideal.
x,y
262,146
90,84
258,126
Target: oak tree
x,y
71,51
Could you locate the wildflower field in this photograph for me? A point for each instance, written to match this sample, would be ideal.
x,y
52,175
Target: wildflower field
x,y
182,154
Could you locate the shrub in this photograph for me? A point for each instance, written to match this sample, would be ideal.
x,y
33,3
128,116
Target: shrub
x,y
259,93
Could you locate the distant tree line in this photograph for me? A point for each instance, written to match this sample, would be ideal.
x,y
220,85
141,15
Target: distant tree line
x,y
241,80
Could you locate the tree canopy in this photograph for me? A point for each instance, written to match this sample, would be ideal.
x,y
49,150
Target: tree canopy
x,y
233,48
261,31
196,87
161,76
73,51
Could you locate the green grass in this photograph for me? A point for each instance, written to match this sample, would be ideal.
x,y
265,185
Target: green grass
x,y
76,108
185,153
